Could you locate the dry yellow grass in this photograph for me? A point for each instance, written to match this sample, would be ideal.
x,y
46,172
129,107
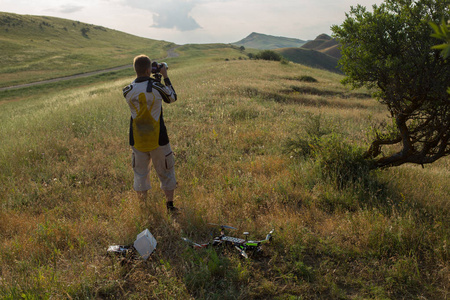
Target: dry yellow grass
x,y
66,195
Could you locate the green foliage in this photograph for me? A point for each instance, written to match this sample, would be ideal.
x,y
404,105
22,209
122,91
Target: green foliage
x,y
390,49
335,160
315,128
306,78
442,32
284,61
268,55
339,161
84,31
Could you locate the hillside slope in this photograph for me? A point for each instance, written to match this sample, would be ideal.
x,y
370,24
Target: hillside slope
x,y
325,44
311,58
268,42
34,48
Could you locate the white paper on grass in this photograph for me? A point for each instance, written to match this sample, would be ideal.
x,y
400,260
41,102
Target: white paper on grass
x,y
145,244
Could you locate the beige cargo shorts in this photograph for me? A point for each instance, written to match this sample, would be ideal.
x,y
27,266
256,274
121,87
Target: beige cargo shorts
x,y
163,161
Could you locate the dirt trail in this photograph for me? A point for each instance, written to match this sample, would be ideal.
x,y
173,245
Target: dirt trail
x,y
65,78
170,53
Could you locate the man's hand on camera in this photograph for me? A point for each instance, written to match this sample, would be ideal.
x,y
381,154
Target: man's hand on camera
x,y
163,71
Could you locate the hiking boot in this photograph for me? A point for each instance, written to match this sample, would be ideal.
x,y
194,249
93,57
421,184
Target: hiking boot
x,y
172,209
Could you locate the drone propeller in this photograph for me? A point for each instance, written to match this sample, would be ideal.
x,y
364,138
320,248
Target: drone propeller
x,y
222,226
193,244
188,240
241,251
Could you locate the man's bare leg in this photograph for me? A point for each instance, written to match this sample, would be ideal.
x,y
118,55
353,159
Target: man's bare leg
x,y
169,195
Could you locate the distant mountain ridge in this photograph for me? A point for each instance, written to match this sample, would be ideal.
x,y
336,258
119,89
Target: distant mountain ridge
x,y
268,42
322,52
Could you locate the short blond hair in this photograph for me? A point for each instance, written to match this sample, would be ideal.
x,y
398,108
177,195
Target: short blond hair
x,y
141,64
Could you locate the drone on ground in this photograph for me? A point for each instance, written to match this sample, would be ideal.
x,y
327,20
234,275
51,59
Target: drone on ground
x,y
241,245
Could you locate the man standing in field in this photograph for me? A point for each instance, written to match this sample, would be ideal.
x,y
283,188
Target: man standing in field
x,y
148,135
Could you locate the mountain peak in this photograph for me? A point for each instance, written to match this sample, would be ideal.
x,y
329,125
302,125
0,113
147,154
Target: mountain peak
x,y
268,42
325,44
324,36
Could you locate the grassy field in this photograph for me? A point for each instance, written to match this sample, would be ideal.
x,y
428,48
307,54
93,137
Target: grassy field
x,y
259,145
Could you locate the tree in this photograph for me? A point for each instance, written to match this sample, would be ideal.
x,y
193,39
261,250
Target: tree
x,y
390,49
84,31
268,55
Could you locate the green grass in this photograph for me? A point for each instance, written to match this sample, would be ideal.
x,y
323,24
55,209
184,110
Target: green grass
x,y
35,48
238,131
19,94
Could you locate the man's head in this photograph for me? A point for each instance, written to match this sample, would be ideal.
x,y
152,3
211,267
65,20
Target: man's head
x,y
142,65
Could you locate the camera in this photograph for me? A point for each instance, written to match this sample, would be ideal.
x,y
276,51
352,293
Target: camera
x,y
156,67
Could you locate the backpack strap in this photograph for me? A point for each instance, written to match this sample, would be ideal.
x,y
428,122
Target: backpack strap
x,y
149,85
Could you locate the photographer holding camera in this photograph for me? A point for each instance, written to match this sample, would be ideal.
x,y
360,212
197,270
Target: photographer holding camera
x,y
148,135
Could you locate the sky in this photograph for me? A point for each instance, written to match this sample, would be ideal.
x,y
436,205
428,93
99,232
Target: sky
x,y
198,21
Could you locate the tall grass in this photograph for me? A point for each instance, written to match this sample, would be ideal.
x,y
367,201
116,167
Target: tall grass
x,y
66,193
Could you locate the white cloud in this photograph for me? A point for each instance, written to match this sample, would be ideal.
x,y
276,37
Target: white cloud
x,y
69,8
178,18
171,14
198,21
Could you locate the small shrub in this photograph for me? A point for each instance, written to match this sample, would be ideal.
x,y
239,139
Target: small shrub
x,y
317,126
84,32
299,147
303,78
268,55
340,162
307,78
302,147
284,61
334,159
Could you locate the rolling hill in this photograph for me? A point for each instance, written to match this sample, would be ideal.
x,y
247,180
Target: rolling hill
x,y
322,52
268,42
325,44
311,58
36,46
